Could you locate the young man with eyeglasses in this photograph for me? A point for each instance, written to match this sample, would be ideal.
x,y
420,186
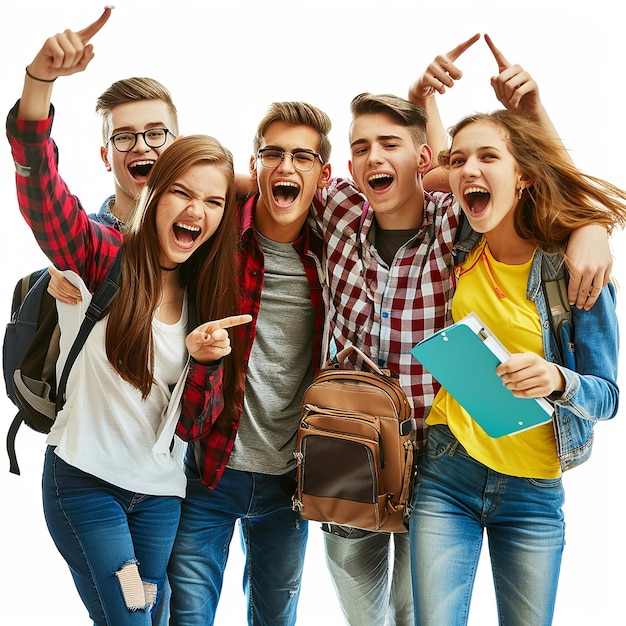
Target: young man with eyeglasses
x,y
139,120
246,472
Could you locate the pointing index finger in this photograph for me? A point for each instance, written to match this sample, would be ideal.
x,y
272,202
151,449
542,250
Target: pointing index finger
x,y
87,33
455,53
499,57
233,320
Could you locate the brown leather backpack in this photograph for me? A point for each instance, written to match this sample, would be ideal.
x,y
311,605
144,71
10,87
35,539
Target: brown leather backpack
x,y
355,452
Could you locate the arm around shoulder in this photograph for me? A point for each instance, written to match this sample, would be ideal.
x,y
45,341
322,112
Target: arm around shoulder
x,y
591,392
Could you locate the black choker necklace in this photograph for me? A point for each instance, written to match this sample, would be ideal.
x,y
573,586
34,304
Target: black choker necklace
x,y
168,269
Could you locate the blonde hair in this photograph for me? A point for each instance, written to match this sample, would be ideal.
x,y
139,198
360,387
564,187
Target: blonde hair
x,y
134,89
297,114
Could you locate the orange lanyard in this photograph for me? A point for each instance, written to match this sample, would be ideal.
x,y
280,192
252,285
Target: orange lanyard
x,y
485,259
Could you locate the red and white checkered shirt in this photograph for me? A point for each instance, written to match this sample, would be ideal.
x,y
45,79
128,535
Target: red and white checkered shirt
x,y
384,311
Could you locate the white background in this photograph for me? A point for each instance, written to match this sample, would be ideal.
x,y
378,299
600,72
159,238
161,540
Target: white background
x,y
224,63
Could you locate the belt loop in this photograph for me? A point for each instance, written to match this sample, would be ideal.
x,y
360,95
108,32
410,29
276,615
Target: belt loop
x,y
454,448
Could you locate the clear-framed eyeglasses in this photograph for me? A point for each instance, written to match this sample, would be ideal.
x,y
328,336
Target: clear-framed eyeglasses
x,y
303,160
153,138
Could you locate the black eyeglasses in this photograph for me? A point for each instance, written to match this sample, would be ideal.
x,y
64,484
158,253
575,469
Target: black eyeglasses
x,y
303,160
153,137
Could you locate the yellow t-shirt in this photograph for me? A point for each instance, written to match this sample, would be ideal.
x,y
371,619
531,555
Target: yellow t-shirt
x,y
497,293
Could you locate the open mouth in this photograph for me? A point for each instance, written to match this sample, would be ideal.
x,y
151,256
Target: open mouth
x,y
380,182
185,234
140,169
476,199
285,192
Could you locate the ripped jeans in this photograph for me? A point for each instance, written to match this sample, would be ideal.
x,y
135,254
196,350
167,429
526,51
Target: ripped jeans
x,y
116,543
273,537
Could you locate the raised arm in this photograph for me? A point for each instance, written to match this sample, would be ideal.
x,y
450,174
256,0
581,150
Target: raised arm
x,y
589,258
515,88
55,216
440,75
62,55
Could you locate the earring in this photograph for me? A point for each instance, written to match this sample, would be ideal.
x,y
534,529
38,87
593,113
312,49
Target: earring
x,y
520,192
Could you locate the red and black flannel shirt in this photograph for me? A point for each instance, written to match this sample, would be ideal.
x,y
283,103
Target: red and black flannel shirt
x,y
213,445
65,233
60,224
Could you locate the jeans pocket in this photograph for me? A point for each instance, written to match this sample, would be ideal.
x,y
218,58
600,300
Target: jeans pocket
x,y
546,483
439,444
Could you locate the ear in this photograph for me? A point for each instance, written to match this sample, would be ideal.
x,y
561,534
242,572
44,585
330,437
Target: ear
x,y
253,170
104,155
350,169
525,181
324,177
424,159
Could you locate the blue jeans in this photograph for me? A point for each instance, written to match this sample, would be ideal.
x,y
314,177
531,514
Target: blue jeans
x,y
116,543
372,575
455,499
273,539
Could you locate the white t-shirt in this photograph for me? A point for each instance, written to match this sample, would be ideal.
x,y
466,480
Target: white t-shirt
x,y
105,428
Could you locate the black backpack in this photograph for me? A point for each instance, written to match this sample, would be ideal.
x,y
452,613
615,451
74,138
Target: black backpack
x,y
31,349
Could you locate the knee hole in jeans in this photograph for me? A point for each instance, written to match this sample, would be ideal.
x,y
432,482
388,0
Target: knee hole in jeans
x,y
138,594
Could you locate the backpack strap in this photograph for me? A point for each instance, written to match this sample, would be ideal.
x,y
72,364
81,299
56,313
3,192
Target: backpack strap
x,y
555,280
96,310
98,307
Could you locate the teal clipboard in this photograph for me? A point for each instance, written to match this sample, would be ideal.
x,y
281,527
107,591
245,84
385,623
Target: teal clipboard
x,y
463,358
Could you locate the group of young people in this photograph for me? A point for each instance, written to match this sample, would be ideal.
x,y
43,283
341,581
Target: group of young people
x,y
288,265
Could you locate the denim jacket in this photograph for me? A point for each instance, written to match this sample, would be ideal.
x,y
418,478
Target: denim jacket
x,y
590,350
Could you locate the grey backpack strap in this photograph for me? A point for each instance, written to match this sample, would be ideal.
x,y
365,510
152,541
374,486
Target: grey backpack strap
x,y
555,282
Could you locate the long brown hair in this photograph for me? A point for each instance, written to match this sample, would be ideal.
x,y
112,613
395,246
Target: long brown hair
x,y
561,198
209,274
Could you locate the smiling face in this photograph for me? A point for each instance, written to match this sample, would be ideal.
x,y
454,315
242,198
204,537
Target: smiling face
x,y
130,169
385,166
189,212
485,178
286,193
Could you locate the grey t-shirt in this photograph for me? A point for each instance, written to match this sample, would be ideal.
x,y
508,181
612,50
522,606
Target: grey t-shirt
x,y
279,368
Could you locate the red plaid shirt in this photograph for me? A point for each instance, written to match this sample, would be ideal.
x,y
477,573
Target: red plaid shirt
x,y
60,225
386,311
212,445
66,235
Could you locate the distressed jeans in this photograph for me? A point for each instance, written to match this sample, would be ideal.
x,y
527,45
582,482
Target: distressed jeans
x,y
455,500
273,538
116,543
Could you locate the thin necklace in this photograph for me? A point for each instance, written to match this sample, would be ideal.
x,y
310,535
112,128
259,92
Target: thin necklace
x,y
169,269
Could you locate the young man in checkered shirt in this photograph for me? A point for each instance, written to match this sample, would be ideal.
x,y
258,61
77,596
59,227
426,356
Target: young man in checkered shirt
x,y
389,273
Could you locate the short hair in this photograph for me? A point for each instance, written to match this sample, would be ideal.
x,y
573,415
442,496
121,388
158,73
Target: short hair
x,y
297,114
403,111
135,89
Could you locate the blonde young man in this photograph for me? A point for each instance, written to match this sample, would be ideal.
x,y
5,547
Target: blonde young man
x,y
244,471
